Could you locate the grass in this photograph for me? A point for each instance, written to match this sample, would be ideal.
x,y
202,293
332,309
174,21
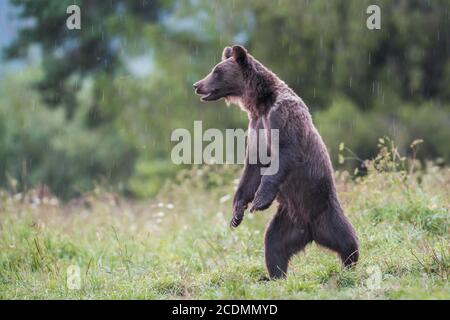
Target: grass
x,y
180,246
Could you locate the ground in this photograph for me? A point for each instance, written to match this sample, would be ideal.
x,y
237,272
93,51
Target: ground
x,y
179,245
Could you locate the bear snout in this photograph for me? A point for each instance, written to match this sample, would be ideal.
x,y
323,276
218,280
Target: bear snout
x,y
198,87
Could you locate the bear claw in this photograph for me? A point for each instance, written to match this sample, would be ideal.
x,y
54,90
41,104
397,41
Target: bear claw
x,y
235,222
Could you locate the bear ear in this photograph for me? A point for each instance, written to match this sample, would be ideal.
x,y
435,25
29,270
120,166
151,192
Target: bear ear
x,y
240,54
227,53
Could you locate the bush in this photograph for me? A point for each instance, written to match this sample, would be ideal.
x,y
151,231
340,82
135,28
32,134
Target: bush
x,y
359,131
41,146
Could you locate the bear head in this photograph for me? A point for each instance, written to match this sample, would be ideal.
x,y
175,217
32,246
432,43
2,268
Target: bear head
x,y
226,79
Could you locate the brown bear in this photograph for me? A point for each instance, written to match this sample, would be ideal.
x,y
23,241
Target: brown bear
x,y
309,208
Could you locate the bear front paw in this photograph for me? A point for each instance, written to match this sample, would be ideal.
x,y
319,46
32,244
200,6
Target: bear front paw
x,y
238,215
236,221
264,196
262,202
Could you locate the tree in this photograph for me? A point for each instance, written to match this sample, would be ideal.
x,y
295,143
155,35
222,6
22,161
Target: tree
x,y
70,56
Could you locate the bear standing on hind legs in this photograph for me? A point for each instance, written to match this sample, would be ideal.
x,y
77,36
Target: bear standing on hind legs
x,y
309,209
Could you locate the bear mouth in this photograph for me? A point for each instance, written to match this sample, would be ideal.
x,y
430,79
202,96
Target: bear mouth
x,y
208,96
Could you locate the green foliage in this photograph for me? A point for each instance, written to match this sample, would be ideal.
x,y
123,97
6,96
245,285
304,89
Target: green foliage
x,y
332,52
40,146
343,122
360,85
359,131
69,56
149,177
436,220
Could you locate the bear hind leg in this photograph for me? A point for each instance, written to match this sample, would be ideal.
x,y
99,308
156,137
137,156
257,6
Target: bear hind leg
x,y
335,232
283,239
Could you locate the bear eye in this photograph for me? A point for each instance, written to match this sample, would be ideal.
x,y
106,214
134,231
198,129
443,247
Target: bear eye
x,y
217,72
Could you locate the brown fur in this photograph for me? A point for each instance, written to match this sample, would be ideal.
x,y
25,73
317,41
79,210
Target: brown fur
x,y
309,208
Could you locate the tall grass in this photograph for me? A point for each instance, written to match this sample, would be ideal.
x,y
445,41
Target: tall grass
x,y
179,244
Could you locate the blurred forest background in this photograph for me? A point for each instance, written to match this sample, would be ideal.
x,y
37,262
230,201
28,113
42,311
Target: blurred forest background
x,y
96,106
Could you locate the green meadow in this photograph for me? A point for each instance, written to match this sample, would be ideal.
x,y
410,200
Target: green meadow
x,y
179,244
